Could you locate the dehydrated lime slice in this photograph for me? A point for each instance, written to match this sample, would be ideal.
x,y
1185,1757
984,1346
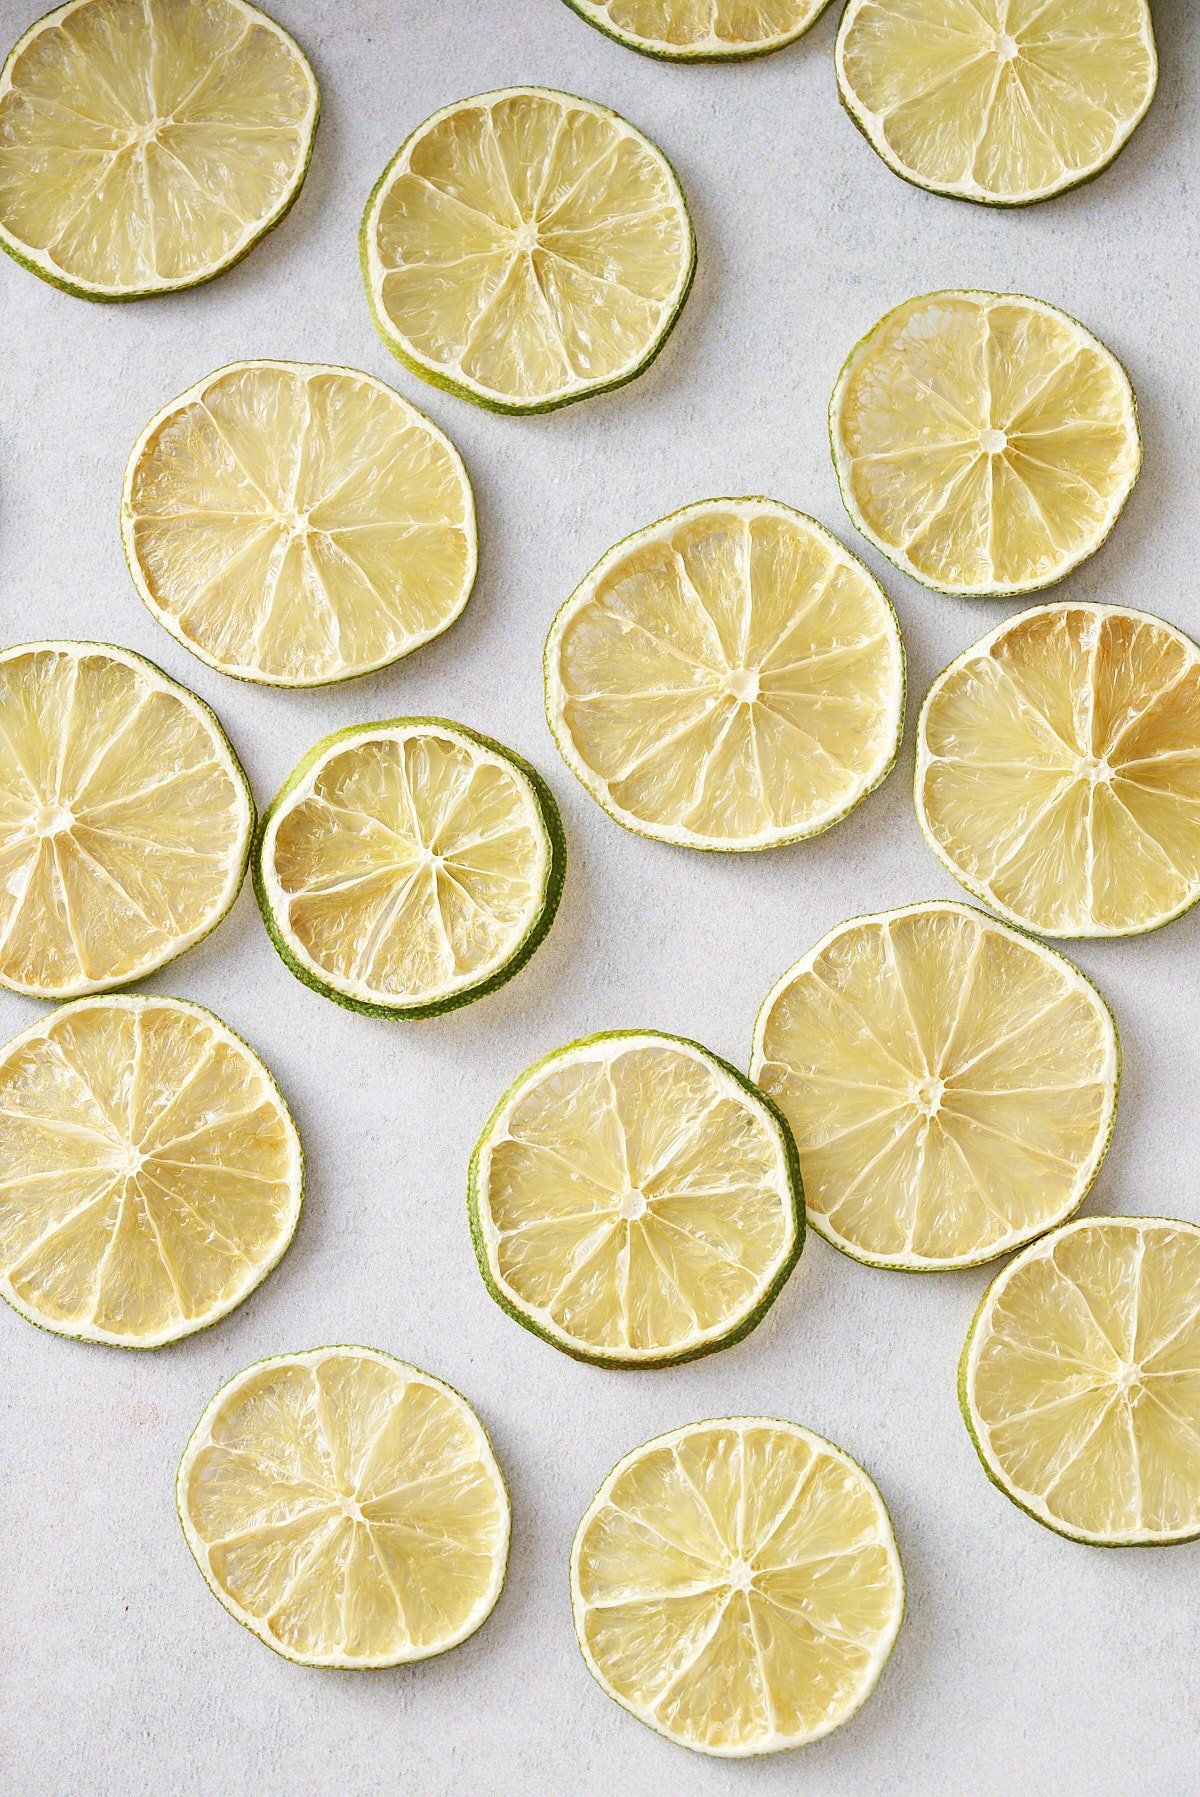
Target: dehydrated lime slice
x,y
146,145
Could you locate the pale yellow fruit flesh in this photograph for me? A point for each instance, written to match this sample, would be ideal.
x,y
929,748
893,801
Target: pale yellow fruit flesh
x,y
731,678
703,27
298,525
998,100
407,866
145,143
123,821
950,1086
633,1200
737,1586
1059,770
527,246
1083,1380
347,1509
985,442
150,1171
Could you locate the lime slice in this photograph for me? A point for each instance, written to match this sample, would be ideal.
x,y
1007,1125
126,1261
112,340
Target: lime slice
x,y
701,30
147,146
152,1174
736,1585
347,1508
951,1085
525,249
1080,1381
984,441
408,867
1058,770
125,819
297,524
635,1201
1002,101
728,678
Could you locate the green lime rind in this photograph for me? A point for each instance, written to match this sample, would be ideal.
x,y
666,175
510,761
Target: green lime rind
x,y
897,558
99,988
578,1607
817,1224
878,143
1023,924
964,1399
742,1325
102,296
195,1547
595,788
556,869
491,402
164,619
267,1266
663,53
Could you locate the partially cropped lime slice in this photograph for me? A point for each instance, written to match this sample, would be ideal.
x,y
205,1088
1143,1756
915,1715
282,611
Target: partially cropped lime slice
x,y
736,1585
701,30
346,1508
408,867
526,248
1080,1381
950,1084
728,678
1003,101
985,442
150,1172
634,1201
125,819
297,524
1058,770
146,145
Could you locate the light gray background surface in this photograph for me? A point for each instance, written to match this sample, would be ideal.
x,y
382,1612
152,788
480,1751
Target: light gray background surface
x,y
1028,1666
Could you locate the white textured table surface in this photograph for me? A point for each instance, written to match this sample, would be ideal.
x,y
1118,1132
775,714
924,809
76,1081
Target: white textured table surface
x,y
1027,1665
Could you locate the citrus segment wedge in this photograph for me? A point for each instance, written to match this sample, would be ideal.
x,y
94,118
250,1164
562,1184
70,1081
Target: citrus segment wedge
x,y
736,1586
634,1201
985,442
1058,770
1080,1381
146,145
728,678
346,1508
526,248
1001,101
701,30
410,866
951,1085
296,524
150,1172
125,819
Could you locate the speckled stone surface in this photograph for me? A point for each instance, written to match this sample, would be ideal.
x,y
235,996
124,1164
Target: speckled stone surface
x,y
1027,1666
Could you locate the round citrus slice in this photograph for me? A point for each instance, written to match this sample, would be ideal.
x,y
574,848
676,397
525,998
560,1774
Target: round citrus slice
x,y
634,1201
408,867
347,1508
1002,101
1080,1381
728,678
951,1085
701,30
1058,770
294,525
146,145
525,249
150,1172
985,442
125,819
736,1585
